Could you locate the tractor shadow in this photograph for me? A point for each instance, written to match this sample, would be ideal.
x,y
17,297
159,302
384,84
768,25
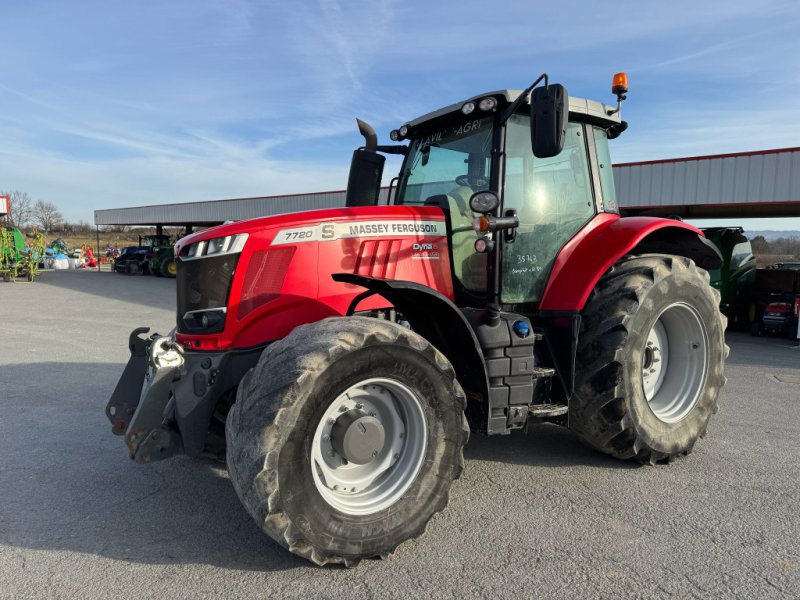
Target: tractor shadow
x,y
68,486
145,290
544,446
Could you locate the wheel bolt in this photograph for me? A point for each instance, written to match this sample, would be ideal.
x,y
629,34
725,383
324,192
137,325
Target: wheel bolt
x,y
326,437
331,421
396,455
331,453
372,413
359,406
342,408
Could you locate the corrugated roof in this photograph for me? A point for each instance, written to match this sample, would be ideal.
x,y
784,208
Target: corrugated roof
x,y
715,185
218,211
762,177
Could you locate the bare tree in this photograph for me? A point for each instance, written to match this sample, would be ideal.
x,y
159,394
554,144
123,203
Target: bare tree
x,y
46,215
21,208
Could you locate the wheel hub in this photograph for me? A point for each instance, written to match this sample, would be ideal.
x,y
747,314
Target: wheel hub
x,y
675,362
369,446
357,436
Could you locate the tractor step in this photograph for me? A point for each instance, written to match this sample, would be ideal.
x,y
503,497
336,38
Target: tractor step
x,y
546,411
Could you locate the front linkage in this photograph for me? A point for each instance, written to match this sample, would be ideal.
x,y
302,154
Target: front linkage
x,y
140,406
166,397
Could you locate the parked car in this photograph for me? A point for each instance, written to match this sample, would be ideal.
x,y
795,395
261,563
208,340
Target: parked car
x,y
778,319
133,260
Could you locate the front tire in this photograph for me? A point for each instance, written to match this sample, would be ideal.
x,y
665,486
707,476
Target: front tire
x,y
293,428
650,360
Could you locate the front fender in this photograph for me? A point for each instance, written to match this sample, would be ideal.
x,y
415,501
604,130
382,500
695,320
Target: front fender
x,y
438,320
607,238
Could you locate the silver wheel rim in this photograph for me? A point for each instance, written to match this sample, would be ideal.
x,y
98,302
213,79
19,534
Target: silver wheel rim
x,y
368,488
675,362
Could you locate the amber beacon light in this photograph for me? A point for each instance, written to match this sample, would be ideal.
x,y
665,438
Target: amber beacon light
x,y
619,85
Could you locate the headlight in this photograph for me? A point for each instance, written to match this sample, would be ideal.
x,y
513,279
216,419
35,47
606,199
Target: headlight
x,y
468,108
229,244
487,103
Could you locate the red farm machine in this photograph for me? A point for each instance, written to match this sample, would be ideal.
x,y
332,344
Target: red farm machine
x,y
338,359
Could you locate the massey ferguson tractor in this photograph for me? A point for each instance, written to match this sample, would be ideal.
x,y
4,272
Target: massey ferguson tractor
x,y
339,359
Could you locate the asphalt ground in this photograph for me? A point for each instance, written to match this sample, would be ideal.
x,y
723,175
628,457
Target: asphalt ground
x,y
533,516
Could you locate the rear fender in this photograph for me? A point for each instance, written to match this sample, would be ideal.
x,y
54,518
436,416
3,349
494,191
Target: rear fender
x,y
438,320
606,239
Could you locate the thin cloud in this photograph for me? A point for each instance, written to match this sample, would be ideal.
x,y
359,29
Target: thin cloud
x,y
194,99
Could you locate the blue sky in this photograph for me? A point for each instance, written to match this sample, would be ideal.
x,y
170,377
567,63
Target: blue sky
x,y
113,103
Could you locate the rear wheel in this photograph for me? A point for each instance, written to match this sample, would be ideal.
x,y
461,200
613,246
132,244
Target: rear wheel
x,y
650,360
169,268
345,438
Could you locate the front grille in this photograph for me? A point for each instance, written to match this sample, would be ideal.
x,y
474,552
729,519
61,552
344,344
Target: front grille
x,y
203,284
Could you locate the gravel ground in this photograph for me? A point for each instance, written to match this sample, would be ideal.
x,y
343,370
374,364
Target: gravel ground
x,y
536,515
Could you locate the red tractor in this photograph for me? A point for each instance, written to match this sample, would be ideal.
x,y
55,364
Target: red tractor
x,y
340,358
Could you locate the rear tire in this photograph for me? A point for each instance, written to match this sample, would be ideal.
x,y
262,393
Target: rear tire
x,y
281,443
169,268
650,360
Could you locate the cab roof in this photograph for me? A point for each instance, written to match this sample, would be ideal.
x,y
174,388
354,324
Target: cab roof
x,y
596,111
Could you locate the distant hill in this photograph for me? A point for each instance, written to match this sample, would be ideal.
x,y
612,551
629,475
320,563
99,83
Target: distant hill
x,y
771,234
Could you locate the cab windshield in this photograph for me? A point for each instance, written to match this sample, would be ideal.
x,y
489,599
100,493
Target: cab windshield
x,y
445,167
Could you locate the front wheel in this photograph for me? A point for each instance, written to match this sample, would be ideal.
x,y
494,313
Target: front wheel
x,y
650,360
345,438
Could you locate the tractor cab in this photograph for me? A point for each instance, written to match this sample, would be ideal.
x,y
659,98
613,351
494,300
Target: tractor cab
x,y
478,146
535,161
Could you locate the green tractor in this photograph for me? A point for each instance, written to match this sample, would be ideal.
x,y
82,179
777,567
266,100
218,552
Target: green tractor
x,y
162,262
736,278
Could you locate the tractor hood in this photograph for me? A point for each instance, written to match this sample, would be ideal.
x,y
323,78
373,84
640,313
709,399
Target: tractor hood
x,y
247,283
305,218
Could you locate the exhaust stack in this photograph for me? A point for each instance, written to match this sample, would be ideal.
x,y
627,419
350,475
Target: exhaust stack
x,y
366,170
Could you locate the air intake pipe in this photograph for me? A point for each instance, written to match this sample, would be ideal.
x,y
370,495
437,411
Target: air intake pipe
x,y
366,170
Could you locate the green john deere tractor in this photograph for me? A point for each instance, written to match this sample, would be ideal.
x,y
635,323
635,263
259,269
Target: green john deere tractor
x,y
736,278
162,261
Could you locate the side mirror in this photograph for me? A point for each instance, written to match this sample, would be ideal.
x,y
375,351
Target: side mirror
x,y
549,117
